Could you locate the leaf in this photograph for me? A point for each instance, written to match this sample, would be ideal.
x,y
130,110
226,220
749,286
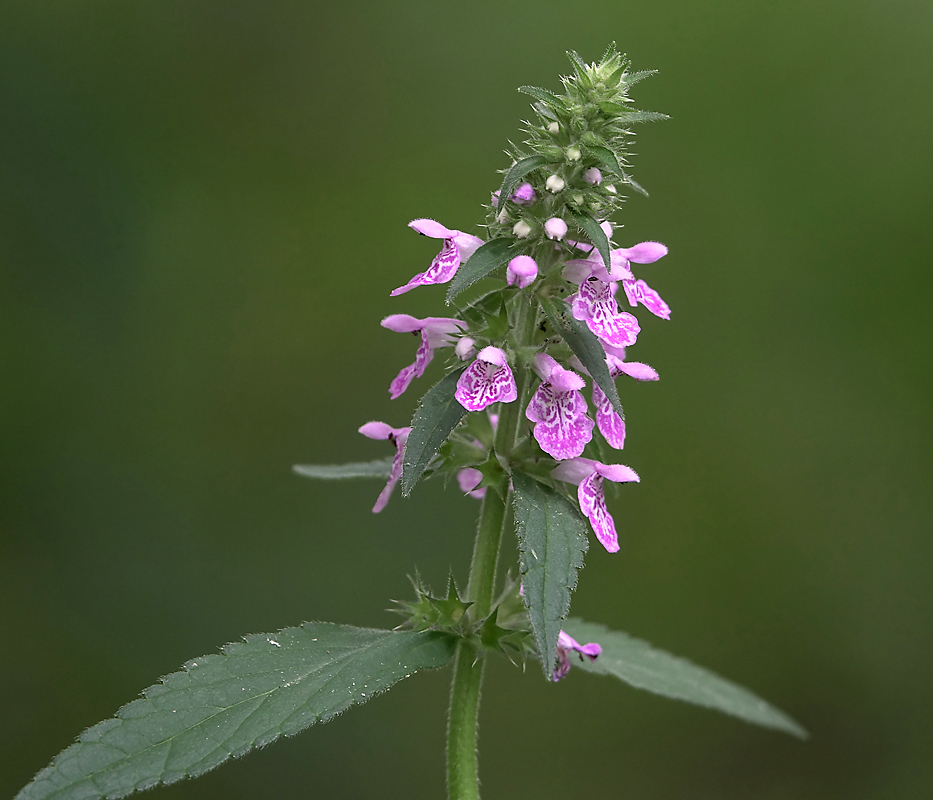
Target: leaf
x,y
224,705
485,260
516,172
642,116
634,77
585,346
596,234
645,667
380,468
549,99
607,159
435,418
551,542
634,184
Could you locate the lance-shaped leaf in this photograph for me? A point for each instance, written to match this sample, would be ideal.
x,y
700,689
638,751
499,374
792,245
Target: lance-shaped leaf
x,y
380,468
436,416
549,99
634,77
551,542
224,705
645,667
585,346
596,235
485,260
515,173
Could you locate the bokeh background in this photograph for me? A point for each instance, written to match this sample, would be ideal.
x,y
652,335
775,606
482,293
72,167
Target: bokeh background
x,y
203,208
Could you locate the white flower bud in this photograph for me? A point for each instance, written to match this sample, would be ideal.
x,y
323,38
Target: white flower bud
x,y
554,183
593,175
572,153
465,348
521,229
553,128
610,188
502,217
555,228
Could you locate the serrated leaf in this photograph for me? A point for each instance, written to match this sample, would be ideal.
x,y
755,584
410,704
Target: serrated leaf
x,y
485,260
634,77
380,468
641,116
516,172
607,159
634,184
610,107
226,704
597,235
549,99
551,542
585,346
436,416
645,667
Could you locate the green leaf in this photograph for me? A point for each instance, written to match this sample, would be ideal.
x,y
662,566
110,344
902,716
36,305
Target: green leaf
x,y
516,172
597,235
634,184
485,260
549,99
642,116
607,159
335,472
436,416
551,542
634,77
585,346
224,705
645,667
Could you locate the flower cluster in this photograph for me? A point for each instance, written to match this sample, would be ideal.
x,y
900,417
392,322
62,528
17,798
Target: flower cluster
x,y
531,340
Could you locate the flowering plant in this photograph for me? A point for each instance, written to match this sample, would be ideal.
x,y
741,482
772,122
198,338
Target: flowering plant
x,y
510,423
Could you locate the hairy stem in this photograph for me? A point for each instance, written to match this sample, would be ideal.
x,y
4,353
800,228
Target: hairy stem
x,y
463,714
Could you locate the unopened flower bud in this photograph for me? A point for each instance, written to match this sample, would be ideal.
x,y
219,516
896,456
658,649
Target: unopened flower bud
x,y
554,183
607,229
522,270
572,153
553,128
521,229
524,195
502,217
555,228
593,175
465,348
610,188
495,199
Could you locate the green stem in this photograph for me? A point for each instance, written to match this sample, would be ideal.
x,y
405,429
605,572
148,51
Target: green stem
x,y
463,714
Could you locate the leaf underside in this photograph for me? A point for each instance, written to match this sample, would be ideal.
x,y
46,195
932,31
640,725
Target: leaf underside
x,y
551,541
224,705
585,346
436,417
380,468
645,667
488,258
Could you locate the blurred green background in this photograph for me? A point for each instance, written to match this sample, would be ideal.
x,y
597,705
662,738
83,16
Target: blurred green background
x,y
203,208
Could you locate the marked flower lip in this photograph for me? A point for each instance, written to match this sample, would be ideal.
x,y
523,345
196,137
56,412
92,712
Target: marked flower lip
x,y
558,409
399,437
457,248
486,381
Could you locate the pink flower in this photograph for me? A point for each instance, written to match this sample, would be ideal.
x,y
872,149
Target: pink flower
x,y
555,228
524,195
565,644
595,303
468,479
435,332
486,381
587,475
558,410
522,270
399,437
610,424
593,175
458,247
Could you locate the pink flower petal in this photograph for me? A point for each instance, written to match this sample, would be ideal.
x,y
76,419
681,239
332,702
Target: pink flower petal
x,y
467,244
644,252
407,374
638,371
428,227
610,424
640,292
399,437
442,269
617,473
468,479
485,381
567,644
593,505
402,323
376,430
562,427
595,305
574,470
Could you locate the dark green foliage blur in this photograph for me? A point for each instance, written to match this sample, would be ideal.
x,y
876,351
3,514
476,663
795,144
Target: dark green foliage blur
x,y
203,208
